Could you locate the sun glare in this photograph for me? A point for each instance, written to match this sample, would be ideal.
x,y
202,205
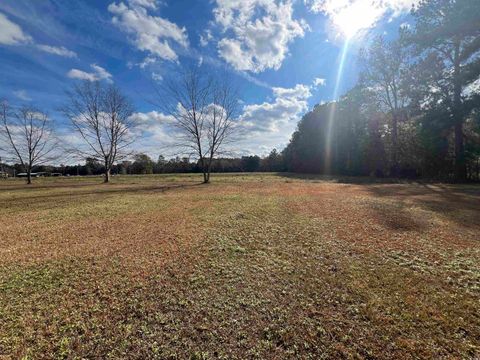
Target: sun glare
x,y
357,16
331,115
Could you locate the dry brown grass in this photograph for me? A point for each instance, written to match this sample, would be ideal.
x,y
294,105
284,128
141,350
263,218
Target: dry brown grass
x,y
259,266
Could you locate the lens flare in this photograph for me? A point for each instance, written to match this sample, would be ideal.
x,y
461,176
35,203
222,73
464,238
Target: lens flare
x,y
331,114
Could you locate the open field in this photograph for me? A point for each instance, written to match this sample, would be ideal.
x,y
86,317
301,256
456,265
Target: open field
x,y
250,266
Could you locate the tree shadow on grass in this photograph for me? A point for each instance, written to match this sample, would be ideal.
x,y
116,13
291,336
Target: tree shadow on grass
x,y
360,180
100,189
458,203
53,186
398,217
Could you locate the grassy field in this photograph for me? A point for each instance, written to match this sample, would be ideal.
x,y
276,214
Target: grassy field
x,y
250,266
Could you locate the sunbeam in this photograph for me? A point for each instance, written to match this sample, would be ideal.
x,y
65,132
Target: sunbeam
x,y
331,115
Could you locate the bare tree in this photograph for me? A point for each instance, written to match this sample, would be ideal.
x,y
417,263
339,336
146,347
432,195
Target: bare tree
x,y
101,115
27,137
203,109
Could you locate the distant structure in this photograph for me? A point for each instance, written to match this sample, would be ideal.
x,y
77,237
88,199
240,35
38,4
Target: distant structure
x,y
39,174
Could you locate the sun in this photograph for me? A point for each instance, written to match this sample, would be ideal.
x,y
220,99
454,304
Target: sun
x,y
353,17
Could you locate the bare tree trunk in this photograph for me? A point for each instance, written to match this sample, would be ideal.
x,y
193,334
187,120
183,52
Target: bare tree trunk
x,y
394,169
204,170
478,168
460,163
107,176
209,168
29,176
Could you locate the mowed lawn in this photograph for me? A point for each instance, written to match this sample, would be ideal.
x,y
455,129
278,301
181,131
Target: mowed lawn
x,y
247,267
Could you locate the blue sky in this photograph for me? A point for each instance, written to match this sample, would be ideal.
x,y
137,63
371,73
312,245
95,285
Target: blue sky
x,y
283,55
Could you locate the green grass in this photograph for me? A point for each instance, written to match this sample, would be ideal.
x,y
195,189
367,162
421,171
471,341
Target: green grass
x,y
251,266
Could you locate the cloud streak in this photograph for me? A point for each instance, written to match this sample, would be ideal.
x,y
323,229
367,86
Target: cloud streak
x,y
60,51
11,33
22,95
99,73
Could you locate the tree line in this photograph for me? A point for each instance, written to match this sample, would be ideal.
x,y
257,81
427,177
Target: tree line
x,y
143,164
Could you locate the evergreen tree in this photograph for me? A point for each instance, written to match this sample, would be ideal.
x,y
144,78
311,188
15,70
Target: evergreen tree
x,y
446,39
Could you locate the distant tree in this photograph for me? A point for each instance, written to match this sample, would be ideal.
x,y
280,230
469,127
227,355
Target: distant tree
x,y
355,112
160,164
204,109
101,115
384,67
250,163
124,167
375,154
273,162
93,166
446,39
306,151
3,173
27,136
142,164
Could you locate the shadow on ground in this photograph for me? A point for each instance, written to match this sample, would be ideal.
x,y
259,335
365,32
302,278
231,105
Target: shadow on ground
x,y
458,203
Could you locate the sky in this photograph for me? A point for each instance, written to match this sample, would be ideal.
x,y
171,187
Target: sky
x,y
284,56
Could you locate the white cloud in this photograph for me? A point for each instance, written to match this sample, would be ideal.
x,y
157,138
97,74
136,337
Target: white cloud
x,y
22,95
256,33
319,82
270,124
157,76
147,61
155,133
144,120
287,105
99,73
60,51
11,33
152,34
352,16
205,39
151,4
